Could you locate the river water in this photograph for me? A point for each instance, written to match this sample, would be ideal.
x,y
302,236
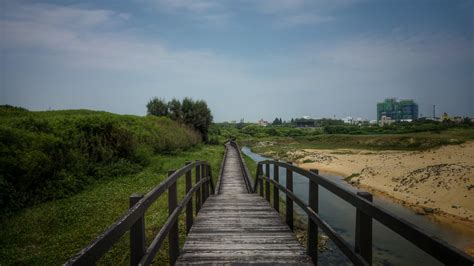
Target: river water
x,y
388,247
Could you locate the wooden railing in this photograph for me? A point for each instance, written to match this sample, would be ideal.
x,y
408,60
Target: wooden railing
x,y
361,254
134,219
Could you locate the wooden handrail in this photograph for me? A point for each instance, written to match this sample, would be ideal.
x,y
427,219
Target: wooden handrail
x,y
366,211
134,217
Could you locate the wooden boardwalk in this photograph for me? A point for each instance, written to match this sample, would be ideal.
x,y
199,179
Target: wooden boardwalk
x,y
235,227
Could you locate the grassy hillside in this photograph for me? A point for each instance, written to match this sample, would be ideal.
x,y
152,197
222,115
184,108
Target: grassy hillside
x,y
55,154
50,233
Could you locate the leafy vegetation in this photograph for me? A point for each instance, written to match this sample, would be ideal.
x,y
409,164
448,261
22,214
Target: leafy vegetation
x,y
335,134
55,154
51,232
193,113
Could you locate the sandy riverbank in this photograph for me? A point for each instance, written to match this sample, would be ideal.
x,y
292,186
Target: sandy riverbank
x,y
438,180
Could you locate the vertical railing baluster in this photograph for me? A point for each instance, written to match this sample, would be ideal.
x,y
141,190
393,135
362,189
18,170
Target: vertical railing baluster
x,y
209,170
189,205
312,245
198,190
208,189
267,182
205,185
256,181
173,236
260,180
289,201
363,236
137,234
276,191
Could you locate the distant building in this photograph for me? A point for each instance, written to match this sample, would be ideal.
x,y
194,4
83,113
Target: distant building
x,y
397,110
385,120
263,123
348,120
305,122
444,117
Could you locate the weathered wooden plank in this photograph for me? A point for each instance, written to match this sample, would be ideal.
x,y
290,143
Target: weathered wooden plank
x,y
235,227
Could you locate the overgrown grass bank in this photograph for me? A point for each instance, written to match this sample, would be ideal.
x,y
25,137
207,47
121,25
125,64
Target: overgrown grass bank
x,y
55,154
409,141
51,232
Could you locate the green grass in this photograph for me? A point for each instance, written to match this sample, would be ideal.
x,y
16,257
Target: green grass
x,y
55,154
410,141
251,165
52,232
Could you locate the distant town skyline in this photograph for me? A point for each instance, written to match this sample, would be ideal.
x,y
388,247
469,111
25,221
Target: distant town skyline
x,y
247,59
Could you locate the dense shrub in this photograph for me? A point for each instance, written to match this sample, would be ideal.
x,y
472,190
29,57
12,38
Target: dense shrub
x,y
50,155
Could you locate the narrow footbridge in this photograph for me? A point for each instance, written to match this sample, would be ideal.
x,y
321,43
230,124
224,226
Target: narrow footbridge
x,y
238,221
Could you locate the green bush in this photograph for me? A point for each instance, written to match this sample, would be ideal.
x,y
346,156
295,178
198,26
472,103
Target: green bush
x,y
51,155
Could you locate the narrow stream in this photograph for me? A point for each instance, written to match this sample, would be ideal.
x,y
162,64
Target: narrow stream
x,y
389,247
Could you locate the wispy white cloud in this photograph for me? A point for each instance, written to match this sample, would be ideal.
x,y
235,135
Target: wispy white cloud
x,y
79,38
209,12
284,13
302,12
72,33
187,5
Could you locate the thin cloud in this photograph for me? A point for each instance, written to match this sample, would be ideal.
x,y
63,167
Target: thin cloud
x,y
365,68
209,12
282,13
289,13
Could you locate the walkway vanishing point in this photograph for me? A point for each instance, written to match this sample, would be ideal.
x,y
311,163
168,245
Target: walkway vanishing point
x,y
239,223
237,227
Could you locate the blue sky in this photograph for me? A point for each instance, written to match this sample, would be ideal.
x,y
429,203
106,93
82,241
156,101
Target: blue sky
x,y
247,59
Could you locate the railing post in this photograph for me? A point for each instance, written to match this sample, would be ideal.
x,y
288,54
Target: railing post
x,y
203,176
289,201
198,190
260,180
256,181
267,182
206,185
312,245
137,235
207,189
276,191
363,234
211,183
189,205
173,236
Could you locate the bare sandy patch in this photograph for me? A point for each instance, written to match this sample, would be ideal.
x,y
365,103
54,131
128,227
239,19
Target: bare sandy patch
x,y
440,180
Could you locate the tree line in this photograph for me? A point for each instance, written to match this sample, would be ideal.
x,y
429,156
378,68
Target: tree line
x,y
194,113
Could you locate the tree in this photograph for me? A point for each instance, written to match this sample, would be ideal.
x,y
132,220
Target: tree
x,y
175,111
157,106
276,122
197,114
193,113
